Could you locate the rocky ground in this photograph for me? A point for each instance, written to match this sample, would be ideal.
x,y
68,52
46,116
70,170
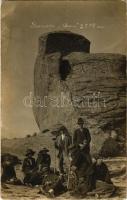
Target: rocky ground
x,y
117,167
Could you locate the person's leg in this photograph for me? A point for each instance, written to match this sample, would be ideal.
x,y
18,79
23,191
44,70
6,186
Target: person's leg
x,y
88,158
61,163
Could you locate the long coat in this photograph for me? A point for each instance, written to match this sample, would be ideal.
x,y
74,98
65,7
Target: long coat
x,y
79,137
102,173
62,145
84,171
43,160
29,164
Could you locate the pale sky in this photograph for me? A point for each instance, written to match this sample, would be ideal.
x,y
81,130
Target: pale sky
x,y
22,24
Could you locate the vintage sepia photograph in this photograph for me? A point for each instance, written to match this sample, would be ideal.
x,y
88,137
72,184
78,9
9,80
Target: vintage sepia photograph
x,y
63,100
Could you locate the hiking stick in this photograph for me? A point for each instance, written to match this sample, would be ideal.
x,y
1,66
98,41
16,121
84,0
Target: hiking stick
x,y
54,139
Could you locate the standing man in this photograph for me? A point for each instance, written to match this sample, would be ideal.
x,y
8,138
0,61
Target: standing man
x,y
62,143
82,139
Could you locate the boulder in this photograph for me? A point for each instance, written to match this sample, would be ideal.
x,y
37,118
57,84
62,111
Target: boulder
x,y
70,82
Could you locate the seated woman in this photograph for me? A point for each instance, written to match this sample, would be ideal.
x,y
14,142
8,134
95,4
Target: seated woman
x,y
43,159
8,163
104,187
100,169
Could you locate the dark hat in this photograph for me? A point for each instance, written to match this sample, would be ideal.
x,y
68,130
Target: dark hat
x,y
63,128
80,121
29,152
43,150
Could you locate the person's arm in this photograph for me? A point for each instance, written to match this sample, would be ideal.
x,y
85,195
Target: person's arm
x,y
23,166
75,137
88,137
49,160
37,163
56,143
107,174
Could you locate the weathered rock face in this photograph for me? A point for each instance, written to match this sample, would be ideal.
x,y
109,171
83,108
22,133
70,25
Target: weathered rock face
x,y
70,83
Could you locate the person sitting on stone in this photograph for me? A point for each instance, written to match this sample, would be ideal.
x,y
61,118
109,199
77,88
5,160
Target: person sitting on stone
x,y
52,184
43,159
8,163
29,166
110,147
101,170
104,187
83,171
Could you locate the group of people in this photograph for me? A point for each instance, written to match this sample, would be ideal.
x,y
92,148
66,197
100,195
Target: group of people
x,y
79,172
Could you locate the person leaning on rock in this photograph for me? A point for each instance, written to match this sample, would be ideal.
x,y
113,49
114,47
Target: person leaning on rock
x,y
82,138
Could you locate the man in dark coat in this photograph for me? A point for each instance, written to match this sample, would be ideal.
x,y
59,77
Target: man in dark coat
x,y
82,138
62,143
29,166
43,159
83,169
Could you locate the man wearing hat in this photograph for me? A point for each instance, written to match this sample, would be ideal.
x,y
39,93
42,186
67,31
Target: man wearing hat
x,y
83,181
29,165
43,159
82,138
62,143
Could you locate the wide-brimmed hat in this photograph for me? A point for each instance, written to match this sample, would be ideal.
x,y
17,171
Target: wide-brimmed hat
x,y
29,152
80,121
43,150
63,128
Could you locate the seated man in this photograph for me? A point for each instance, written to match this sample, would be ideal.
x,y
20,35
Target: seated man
x,y
83,170
8,163
29,166
52,184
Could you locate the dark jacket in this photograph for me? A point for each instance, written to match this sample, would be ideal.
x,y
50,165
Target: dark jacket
x,y
84,171
43,160
80,161
8,163
110,148
29,165
102,173
79,137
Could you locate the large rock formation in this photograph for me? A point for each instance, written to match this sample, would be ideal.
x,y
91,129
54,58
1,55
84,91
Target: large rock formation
x,y
69,82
